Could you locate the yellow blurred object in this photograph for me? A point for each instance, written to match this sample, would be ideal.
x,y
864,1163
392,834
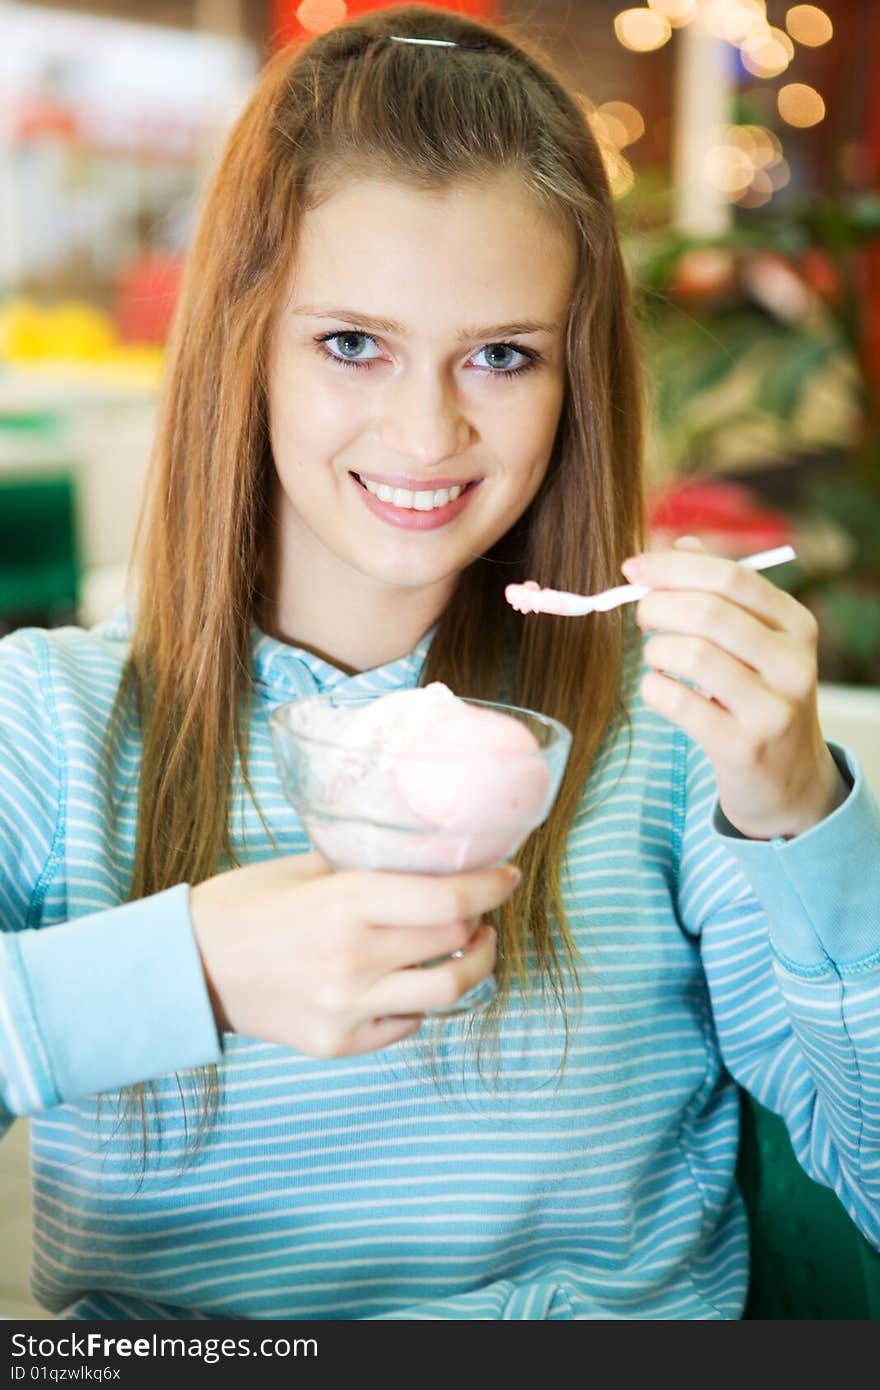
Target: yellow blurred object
x,y
71,329
135,369
73,341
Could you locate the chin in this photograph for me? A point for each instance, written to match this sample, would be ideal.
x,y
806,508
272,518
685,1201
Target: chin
x,y
409,576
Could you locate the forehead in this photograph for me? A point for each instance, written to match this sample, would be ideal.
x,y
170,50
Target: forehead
x,y
462,247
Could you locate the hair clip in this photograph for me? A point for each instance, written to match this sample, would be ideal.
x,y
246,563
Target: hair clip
x,y
439,43
444,43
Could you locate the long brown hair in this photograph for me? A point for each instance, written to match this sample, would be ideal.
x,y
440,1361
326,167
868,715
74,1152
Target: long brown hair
x,y
352,102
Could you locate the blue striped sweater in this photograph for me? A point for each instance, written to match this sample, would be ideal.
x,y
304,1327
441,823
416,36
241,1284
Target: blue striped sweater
x,y
364,1187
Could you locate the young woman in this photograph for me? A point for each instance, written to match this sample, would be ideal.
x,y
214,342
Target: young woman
x,y
407,271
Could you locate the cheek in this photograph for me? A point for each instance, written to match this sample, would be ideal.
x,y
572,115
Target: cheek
x,y
306,424
526,436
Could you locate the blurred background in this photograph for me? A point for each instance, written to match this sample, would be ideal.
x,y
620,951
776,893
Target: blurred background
x,y
742,140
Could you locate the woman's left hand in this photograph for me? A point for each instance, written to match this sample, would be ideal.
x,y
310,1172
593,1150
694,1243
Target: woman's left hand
x,y
751,648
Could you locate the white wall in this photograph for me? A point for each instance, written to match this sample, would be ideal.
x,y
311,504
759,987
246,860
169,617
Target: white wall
x,y
850,714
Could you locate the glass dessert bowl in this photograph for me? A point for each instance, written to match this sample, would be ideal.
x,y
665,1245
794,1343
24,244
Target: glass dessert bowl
x,y
418,781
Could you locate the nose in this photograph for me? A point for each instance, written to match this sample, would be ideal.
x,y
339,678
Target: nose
x,y
423,418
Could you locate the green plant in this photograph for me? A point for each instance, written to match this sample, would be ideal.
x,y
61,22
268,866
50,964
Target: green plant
x,y
737,362
847,605
757,356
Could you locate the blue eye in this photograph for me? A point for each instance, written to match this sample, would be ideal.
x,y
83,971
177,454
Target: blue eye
x,y
531,359
347,337
508,348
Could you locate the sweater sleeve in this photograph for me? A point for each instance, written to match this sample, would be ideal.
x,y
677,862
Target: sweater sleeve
x,y
790,941
95,1003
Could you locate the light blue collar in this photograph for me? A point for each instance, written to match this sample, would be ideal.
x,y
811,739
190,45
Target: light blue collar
x,y
284,671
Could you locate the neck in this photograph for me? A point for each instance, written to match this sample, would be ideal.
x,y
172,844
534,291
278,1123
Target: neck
x,y
355,626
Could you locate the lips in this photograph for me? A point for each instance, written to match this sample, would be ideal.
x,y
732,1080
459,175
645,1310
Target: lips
x,y
407,518
415,484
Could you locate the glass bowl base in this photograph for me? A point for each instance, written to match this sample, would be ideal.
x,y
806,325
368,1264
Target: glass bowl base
x,y
479,997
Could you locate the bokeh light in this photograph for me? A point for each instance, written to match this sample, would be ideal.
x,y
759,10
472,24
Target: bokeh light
x,y
809,25
621,175
677,12
746,159
761,145
642,30
800,105
759,191
622,123
767,52
729,169
734,20
316,16
779,174
614,124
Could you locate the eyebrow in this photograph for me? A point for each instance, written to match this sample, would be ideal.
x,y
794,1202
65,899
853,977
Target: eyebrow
x,y
321,311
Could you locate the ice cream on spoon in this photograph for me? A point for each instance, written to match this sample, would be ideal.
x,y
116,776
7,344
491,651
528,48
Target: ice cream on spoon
x,y
530,597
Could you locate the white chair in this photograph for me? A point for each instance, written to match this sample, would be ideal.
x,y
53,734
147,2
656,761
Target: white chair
x,y
15,1225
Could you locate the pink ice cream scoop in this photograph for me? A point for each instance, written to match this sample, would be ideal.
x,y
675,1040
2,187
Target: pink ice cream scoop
x,y
418,779
473,768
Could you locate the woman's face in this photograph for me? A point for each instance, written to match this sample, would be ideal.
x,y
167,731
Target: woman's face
x,y
421,349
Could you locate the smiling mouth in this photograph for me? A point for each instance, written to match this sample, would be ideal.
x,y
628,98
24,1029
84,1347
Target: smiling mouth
x,y
405,498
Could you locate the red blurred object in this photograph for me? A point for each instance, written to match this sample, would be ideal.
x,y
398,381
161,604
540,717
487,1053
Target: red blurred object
x,y
870,277
703,272
146,296
727,517
820,273
40,117
286,28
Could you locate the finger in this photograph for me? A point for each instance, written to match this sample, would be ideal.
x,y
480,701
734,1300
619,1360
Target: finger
x,y
387,899
708,724
749,589
722,677
376,1033
397,948
783,662
418,989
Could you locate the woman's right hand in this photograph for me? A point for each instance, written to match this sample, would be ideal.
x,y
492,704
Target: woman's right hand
x,y
326,961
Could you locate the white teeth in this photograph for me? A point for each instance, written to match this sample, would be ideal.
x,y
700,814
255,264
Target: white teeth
x,y
425,501
416,501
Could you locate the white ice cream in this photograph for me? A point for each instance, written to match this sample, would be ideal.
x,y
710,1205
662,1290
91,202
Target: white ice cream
x,y
415,779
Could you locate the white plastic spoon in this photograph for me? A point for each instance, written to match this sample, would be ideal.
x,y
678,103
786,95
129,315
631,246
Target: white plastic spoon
x,y
531,598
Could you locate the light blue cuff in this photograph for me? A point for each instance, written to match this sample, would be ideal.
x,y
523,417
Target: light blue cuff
x,y
120,996
821,890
